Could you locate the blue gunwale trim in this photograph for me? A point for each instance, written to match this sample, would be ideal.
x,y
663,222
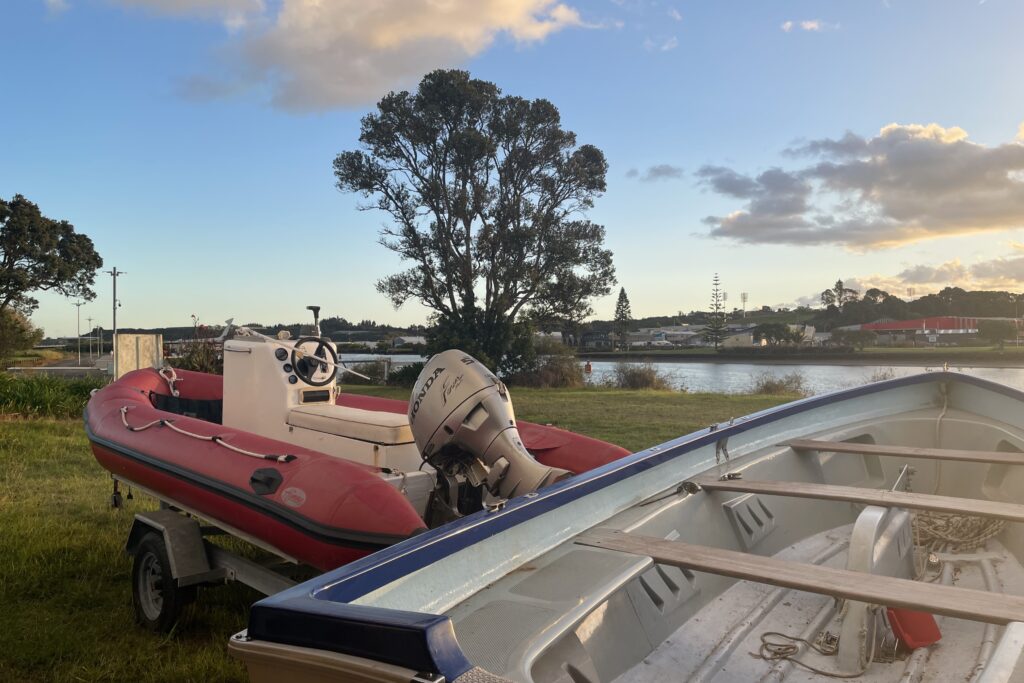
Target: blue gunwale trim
x,y
310,605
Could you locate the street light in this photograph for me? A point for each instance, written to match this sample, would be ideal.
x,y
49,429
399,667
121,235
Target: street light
x,y
78,328
113,335
92,332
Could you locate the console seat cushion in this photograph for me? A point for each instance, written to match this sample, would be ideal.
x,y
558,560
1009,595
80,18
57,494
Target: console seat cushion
x,y
365,425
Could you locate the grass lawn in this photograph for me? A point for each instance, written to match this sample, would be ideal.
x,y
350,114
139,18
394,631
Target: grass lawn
x,y
632,419
65,594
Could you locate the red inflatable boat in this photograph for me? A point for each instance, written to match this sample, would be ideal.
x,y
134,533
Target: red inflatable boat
x,y
299,495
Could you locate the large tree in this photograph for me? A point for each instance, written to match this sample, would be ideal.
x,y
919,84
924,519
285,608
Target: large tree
x,y
838,295
623,318
41,254
715,330
776,334
486,195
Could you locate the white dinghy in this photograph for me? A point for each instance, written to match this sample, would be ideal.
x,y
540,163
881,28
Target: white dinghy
x,y
871,534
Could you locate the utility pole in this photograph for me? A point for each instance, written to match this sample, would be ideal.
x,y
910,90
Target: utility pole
x,y
92,332
78,328
113,335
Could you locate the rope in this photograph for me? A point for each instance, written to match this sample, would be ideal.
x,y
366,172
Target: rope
x,y
932,530
171,378
787,647
215,439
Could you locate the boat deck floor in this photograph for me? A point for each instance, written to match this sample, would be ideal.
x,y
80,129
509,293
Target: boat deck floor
x,y
715,645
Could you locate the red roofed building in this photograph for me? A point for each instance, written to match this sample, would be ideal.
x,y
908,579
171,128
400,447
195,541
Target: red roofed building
x,y
947,329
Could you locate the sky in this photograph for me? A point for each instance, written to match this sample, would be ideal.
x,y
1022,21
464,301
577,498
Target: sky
x,y
782,144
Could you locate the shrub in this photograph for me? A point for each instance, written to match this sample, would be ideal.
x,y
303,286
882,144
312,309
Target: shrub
x,y
638,376
791,383
202,353
39,395
880,375
551,372
372,369
550,365
405,375
16,333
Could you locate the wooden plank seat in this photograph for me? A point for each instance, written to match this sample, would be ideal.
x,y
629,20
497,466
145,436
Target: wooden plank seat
x,y
997,457
883,497
961,603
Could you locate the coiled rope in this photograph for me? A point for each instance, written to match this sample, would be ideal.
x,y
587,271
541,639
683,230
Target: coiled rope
x,y
215,438
786,647
933,530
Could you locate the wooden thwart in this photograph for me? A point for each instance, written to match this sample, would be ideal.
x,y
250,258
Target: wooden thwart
x,y
906,451
961,603
898,499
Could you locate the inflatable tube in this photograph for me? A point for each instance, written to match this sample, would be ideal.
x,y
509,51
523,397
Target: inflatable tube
x,y
318,509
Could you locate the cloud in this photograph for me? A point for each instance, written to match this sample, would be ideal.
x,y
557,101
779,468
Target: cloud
x,y
55,7
315,55
662,45
951,271
673,13
908,183
235,14
813,25
657,172
1005,273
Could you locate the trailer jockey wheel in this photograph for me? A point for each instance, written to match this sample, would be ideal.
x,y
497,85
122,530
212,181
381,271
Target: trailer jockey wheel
x,y
309,370
156,596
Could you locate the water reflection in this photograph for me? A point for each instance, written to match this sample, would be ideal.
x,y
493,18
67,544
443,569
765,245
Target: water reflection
x,y
736,378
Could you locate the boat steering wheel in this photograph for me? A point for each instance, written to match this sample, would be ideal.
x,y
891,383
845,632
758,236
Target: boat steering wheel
x,y
311,371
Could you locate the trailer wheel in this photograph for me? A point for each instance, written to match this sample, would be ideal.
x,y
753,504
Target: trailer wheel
x,y
156,596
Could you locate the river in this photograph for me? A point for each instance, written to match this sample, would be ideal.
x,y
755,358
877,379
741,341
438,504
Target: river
x,y
739,378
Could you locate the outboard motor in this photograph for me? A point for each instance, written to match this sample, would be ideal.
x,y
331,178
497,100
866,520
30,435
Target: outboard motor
x,y
462,420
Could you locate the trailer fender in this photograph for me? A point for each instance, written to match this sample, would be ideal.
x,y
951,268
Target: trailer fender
x,y
183,539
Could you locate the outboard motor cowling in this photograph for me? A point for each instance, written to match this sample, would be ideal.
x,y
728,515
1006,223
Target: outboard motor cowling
x,y
462,420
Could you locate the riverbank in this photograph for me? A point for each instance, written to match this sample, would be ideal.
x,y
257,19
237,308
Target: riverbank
x,y
1010,357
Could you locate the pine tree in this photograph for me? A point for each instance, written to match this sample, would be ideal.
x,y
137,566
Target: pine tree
x,y
715,331
623,317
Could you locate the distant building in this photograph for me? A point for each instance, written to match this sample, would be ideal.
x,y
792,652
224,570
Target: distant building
x,y
740,337
593,340
939,330
808,331
398,342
